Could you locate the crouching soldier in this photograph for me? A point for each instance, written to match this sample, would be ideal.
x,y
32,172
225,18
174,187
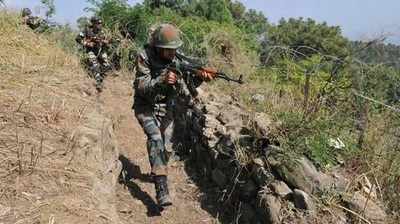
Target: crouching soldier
x,y
95,44
31,21
155,87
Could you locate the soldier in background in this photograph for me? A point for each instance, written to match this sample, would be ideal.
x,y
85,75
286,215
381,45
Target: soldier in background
x,y
95,44
28,19
155,99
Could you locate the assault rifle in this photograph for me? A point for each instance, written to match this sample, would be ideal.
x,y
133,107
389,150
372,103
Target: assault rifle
x,y
193,67
186,85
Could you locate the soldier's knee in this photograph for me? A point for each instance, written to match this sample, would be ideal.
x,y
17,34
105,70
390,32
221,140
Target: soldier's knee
x,y
156,152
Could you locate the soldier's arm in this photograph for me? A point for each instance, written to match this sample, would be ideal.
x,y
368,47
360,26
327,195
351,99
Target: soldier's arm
x,y
194,81
145,84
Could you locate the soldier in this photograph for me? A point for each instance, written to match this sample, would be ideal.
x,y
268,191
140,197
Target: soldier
x,y
154,103
95,43
33,22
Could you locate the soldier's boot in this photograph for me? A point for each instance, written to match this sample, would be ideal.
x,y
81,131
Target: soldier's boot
x,y
99,82
162,193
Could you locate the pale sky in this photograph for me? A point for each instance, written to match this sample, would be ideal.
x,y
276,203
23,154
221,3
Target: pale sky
x,y
359,19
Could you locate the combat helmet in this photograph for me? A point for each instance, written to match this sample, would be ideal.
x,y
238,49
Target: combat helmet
x,y
26,12
166,36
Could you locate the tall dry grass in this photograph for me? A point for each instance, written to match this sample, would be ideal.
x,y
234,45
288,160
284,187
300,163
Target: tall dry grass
x,y
23,51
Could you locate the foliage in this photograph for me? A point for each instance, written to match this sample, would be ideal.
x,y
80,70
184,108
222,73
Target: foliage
x,y
82,22
307,37
216,10
51,8
377,52
136,21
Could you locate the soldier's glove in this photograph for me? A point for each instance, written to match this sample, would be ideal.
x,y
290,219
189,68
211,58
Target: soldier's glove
x,y
170,78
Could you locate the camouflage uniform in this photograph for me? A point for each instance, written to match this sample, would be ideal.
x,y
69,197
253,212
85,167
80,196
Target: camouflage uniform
x,y
97,56
155,108
33,22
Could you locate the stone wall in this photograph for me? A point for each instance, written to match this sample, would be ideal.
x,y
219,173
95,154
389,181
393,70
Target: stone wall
x,y
234,149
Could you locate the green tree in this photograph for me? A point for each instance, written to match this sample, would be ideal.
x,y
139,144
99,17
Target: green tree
x,y
51,8
82,22
254,22
307,37
216,10
237,9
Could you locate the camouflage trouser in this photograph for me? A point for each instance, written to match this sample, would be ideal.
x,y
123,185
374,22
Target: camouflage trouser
x,y
96,62
159,131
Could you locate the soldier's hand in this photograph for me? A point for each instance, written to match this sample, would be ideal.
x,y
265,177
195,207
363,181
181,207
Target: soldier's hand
x,y
88,44
170,78
206,76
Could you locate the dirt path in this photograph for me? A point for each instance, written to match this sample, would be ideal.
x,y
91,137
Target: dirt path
x,y
135,199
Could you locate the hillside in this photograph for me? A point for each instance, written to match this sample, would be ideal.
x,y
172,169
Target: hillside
x,y
311,137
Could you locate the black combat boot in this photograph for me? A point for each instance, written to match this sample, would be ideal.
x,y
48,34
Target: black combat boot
x,y
99,82
162,193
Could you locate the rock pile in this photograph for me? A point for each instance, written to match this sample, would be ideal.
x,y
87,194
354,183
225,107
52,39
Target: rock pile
x,y
232,148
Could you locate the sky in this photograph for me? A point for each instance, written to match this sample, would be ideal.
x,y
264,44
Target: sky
x,y
359,19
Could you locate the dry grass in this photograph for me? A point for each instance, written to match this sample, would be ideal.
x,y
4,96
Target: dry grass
x,y
44,96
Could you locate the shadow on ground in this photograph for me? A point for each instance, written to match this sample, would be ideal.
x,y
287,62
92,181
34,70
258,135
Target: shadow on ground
x,y
130,172
210,193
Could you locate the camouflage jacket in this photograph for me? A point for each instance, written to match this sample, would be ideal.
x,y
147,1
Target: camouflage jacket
x,y
150,89
33,22
92,35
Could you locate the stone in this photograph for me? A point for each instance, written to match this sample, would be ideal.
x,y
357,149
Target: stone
x,y
280,188
248,214
269,208
259,174
262,124
229,113
303,175
303,201
219,177
248,190
340,182
212,131
258,98
366,208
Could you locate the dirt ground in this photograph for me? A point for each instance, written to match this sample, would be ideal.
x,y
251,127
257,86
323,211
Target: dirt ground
x,y
136,197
